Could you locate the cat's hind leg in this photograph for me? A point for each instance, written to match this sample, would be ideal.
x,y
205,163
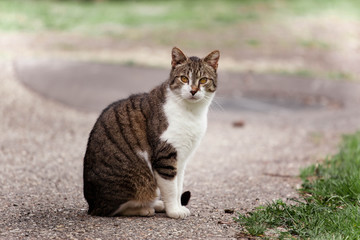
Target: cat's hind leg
x,y
158,204
136,208
141,211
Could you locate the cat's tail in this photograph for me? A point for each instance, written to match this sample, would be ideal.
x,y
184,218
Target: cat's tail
x,y
185,198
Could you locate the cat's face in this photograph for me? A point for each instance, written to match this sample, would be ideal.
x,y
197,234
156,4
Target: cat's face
x,y
193,79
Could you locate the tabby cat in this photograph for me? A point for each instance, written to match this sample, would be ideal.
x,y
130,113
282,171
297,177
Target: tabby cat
x,y
138,148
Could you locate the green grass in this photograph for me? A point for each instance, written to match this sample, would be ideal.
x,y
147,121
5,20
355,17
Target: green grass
x,y
253,42
349,8
330,203
308,73
32,15
106,17
313,44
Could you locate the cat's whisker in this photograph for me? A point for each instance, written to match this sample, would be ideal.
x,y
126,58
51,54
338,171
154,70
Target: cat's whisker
x,y
179,99
218,105
208,100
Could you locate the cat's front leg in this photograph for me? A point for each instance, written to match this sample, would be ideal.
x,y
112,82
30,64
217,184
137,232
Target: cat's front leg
x,y
169,194
180,184
167,170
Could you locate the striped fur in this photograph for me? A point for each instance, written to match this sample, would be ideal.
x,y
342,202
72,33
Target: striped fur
x,y
132,151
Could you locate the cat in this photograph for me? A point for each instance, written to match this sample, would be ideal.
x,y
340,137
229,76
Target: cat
x,y
138,148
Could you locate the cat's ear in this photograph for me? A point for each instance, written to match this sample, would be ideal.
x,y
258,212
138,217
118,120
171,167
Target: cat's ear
x,y
212,59
178,57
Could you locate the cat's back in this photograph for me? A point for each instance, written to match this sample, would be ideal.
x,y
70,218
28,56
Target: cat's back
x,y
120,125
129,125
136,107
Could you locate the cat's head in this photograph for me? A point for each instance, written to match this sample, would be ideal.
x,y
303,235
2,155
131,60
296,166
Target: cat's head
x,y
191,78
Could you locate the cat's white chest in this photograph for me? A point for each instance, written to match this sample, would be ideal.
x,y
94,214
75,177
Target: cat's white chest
x,y
187,125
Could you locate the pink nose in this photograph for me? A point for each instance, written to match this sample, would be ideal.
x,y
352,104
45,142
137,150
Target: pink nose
x,y
193,92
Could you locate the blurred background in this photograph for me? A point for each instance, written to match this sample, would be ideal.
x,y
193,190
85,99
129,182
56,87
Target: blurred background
x,y
304,38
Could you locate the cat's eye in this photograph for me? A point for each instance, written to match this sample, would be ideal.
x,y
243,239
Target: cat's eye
x,y
203,81
184,79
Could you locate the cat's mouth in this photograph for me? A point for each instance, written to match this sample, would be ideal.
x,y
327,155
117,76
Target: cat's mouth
x,y
193,99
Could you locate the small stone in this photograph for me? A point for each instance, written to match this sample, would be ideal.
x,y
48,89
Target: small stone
x,y
238,124
229,210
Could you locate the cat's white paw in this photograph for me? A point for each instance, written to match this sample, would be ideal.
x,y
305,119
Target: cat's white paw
x,y
181,212
159,206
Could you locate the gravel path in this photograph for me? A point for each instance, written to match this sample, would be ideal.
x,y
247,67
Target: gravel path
x,y
42,144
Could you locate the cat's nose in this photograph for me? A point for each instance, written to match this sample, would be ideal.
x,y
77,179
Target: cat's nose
x,y
193,92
